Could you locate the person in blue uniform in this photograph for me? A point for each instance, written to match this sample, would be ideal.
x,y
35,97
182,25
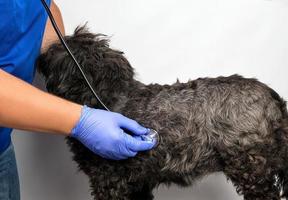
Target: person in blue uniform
x,y
24,33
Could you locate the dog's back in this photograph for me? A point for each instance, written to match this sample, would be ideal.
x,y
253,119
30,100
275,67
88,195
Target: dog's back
x,y
229,124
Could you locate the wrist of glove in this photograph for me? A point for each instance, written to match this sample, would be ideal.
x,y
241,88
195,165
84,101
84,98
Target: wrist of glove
x,y
103,132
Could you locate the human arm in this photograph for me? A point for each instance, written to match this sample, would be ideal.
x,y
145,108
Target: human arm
x,y
25,107
50,35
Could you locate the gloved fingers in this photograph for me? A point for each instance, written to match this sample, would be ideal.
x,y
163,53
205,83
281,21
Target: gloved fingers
x,y
137,137
118,151
122,154
128,153
132,125
123,149
136,145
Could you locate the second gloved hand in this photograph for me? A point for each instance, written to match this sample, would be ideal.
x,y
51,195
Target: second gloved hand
x,y
102,132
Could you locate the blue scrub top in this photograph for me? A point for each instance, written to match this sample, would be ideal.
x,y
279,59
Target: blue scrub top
x,y
22,25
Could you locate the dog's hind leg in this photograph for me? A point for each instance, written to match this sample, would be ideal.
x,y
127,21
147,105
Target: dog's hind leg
x,y
252,175
282,139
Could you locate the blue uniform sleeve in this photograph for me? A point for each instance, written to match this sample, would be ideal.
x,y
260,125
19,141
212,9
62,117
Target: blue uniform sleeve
x,y
22,25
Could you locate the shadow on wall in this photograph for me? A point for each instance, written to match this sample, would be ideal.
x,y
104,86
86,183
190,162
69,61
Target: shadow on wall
x,y
47,172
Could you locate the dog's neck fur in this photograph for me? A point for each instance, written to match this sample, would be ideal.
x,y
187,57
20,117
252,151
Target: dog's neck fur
x,y
121,96
115,98
108,71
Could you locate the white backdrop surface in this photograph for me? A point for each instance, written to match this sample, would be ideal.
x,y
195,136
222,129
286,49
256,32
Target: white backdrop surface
x,y
165,40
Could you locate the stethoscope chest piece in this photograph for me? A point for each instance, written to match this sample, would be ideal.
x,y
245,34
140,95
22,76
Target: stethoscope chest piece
x,y
152,136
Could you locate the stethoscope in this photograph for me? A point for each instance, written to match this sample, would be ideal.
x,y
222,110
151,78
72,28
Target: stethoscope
x,y
152,135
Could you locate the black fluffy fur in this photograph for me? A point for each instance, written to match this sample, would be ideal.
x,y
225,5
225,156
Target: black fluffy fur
x,y
231,124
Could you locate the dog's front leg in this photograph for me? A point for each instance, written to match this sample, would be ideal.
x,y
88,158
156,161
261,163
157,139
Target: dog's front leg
x,y
145,193
110,189
115,187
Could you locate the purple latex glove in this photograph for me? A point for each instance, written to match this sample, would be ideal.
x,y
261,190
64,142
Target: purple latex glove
x,y
103,133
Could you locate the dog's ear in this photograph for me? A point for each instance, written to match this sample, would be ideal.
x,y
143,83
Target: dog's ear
x,y
107,70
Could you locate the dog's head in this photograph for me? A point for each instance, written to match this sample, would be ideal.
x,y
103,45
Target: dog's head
x,y
108,70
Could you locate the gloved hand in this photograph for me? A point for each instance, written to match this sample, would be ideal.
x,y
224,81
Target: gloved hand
x,y
102,132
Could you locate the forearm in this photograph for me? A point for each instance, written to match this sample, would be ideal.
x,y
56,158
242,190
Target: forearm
x,y
25,107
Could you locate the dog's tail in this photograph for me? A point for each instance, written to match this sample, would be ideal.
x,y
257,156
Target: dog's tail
x,y
282,135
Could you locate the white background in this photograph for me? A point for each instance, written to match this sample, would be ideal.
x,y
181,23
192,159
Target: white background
x,y
165,40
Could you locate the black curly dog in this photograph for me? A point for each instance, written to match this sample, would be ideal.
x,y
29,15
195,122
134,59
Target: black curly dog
x,y
231,124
